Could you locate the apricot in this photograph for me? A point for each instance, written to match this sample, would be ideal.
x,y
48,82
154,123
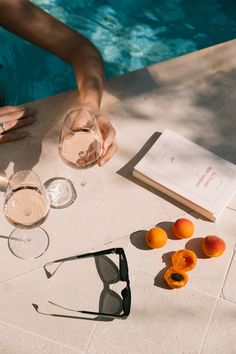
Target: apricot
x,y
213,246
184,260
156,237
183,228
175,278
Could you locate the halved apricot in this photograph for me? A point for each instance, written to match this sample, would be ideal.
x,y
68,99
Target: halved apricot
x,y
184,260
175,278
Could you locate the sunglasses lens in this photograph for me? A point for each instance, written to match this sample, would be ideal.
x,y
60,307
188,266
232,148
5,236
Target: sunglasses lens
x,y
107,270
110,302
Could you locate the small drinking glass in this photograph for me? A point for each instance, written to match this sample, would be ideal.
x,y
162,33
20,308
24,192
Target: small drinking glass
x,y
81,145
26,206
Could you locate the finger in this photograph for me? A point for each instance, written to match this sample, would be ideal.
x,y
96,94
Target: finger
x,y
12,137
94,147
107,131
80,119
19,114
17,124
109,138
11,109
110,152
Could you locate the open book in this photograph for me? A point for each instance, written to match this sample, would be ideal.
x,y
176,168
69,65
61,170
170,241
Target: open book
x,y
189,174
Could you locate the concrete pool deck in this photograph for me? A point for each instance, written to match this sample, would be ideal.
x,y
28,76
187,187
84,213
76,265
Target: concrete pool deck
x,y
194,95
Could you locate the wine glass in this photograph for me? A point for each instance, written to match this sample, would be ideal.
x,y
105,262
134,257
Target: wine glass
x,y
81,145
26,206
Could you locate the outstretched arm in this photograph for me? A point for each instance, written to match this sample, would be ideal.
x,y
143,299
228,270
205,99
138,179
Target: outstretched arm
x,y
33,24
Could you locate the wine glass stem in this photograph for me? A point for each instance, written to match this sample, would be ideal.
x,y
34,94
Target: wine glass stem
x,y
83,181
27,237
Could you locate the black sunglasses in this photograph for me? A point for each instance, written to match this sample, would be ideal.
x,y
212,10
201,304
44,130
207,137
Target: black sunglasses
x,y
123,276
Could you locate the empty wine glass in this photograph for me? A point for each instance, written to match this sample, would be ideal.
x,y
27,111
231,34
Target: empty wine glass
x,y
81,143
26,206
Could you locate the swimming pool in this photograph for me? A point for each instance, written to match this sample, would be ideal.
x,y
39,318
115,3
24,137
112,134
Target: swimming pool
x,y
129,34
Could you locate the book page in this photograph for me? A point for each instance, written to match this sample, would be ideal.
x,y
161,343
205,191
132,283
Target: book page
x,y
189,170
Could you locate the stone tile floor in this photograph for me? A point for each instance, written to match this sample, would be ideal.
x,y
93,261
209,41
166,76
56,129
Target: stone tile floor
x,y
199,318
193,95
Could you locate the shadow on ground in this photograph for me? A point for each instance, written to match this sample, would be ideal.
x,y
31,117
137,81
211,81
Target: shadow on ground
x,y
159,280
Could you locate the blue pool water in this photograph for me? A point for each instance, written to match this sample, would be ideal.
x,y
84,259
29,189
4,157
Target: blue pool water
x,y
129,34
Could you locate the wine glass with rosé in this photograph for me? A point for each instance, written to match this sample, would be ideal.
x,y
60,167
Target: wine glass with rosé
x,y
81,146
26,206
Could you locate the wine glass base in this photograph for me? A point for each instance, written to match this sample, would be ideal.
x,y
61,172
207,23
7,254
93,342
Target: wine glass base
x,y
61,192
28,244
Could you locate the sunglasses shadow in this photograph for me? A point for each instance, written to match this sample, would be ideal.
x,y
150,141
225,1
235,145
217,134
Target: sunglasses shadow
x,y
109,301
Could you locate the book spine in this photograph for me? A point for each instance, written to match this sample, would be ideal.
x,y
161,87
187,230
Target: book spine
x,y
207,214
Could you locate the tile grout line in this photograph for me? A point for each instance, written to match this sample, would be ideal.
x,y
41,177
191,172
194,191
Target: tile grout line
x,y
90,338
203,292
40,336
208,326
229,208
40,268
46,338
219,297
171,218
20,276
188,287
227,300
84,251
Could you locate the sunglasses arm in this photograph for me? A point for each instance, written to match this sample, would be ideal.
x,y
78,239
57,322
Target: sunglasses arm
x,y
100,314
80,256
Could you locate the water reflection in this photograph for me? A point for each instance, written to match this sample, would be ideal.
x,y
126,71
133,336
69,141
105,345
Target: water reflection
x,y
129,34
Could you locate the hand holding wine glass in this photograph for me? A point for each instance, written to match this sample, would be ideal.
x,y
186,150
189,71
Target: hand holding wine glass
x,y
81,143
109,138
86,139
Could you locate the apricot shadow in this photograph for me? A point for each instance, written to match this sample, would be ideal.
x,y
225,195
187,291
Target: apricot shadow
x,y
159,280
167,226
195,246
137,239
